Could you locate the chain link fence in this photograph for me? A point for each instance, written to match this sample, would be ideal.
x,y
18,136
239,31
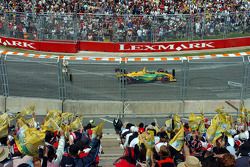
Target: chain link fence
x,y
125,28
225,78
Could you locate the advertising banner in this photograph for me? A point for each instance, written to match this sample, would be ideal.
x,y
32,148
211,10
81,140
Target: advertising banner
x,y
165,46
76,46
46,46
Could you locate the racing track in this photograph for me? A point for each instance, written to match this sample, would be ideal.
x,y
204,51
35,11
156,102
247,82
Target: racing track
x,y
206,79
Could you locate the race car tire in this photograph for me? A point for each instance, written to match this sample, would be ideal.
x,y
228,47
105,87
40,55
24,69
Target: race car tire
x,y
164,79
129,81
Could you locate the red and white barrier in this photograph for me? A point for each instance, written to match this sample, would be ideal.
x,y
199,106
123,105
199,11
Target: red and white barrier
x,y
124,59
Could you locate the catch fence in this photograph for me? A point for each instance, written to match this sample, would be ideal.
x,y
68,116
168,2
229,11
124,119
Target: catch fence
x,y
92,79
125,28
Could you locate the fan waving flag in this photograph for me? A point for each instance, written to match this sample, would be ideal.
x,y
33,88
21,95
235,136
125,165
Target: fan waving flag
x,y
28,140
212,128
178,141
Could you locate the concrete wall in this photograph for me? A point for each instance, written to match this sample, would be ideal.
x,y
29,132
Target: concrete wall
x,y
153,107
93,107
16,104
247,103
209,106
2,104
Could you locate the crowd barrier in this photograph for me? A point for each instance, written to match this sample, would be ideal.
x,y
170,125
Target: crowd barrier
x,y
76,46
88,107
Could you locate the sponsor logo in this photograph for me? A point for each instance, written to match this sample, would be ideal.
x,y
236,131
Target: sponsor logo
x,y
166,47
14,43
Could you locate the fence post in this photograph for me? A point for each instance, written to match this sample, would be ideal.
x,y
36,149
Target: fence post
x,y
61,81
4,79
244,79
185,70
123,83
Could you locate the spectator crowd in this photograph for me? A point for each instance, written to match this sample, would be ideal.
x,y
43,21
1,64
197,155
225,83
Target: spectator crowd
x,y
196,142
120,7
61,140
122,20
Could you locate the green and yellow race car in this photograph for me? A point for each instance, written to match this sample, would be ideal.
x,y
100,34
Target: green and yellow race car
x,y
145,76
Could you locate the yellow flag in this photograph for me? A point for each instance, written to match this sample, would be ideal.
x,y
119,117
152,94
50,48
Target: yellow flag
x,y
223,123
202,128
177,122
178,141
28,140
52,114
67,116
219,109
21,122
4,124
97,131
168,124
194,121
243,109
217,134
212,128
50,125
76,124
27,111
219,125
30,122
55,115
4,130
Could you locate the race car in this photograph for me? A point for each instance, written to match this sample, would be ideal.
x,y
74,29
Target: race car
x,y
145,76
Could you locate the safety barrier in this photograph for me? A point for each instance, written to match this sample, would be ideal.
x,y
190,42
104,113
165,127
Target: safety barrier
x,y
114,108
124,59
94,87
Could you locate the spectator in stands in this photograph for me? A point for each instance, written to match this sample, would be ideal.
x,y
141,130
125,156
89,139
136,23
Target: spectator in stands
x,y
152,24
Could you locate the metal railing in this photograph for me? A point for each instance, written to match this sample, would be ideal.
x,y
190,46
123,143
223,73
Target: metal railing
x,y
125,28
224,78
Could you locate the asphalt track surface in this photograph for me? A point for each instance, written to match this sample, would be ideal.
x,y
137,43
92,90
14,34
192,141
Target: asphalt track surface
x,y
196,80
